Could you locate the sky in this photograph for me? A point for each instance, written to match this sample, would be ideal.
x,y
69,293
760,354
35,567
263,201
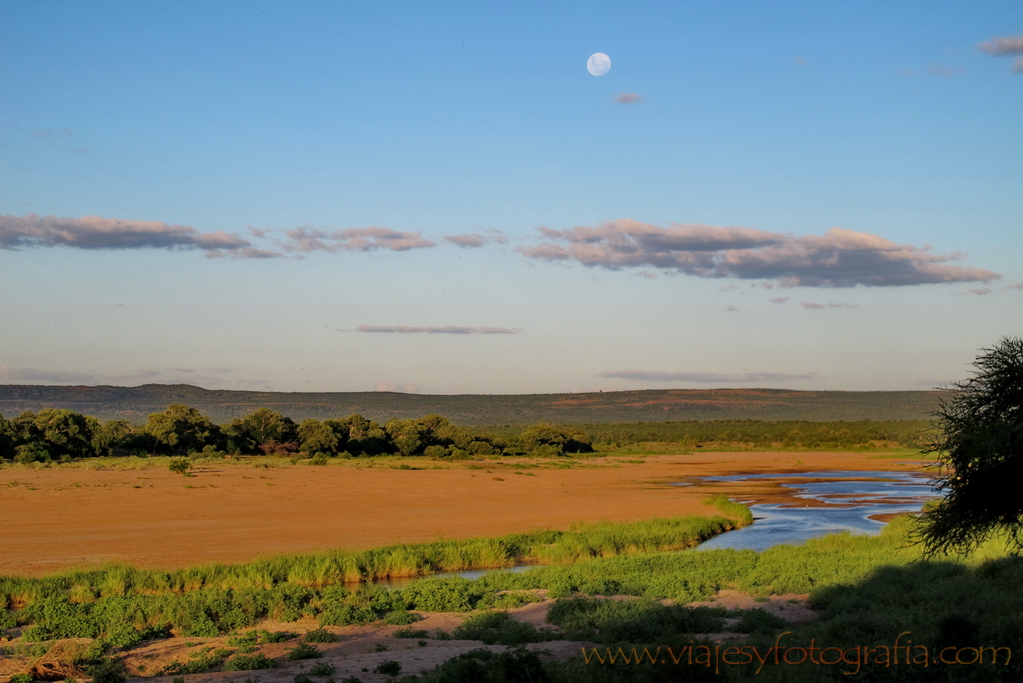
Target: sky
x,y
440,197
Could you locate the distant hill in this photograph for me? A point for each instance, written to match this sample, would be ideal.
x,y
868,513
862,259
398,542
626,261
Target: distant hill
x,y
656,405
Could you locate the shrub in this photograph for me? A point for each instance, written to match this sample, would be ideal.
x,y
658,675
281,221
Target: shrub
x,y
179,465
388,667
274,636
322,669
249,663
109,671
320,635
125,636
400,617
347,614
409,632
31,452
497,628
202,661
303,651
758,621
636,621
484,666
22,678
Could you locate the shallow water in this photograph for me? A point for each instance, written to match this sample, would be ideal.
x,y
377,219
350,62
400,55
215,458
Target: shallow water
x,y
848,505
845,505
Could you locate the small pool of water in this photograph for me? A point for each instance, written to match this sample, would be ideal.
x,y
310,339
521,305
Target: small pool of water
x,y
848,501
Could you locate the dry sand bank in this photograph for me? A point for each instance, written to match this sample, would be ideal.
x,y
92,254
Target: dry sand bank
x,y
234,512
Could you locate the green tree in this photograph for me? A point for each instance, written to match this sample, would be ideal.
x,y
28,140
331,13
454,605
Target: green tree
x,y
408,436
24,428
545,438
979,449
366,436
118,437
65,432
181,430
316,437
264,431
7,439
34,451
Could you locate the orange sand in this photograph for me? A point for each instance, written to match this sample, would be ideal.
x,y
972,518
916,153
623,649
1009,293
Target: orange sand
x,y
233,512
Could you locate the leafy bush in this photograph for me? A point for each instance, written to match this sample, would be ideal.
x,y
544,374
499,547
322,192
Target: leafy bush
x,y
21,678
388,667
303,651
634,621
249,663
125,636
274,636
31,452
400,617
201,662
409,632
758,621
500,629
320,635
109,671
322,669
484,666
179,465
347,614
444,595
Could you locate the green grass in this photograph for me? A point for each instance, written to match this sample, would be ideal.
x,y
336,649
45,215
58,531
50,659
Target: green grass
x,y
332,586
869,589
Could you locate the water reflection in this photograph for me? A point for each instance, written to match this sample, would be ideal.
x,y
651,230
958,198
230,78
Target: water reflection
x,y
848,504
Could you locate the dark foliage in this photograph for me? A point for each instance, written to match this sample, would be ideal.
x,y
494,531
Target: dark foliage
x,y
980,451
498,628
303,651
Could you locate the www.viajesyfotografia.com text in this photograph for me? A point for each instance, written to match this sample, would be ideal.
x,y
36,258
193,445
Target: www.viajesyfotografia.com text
x,y
901,653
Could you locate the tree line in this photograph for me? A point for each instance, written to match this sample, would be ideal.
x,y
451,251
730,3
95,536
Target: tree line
x,y
56,434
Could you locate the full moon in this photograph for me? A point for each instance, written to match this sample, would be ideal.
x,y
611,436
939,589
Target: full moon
x,y
598,64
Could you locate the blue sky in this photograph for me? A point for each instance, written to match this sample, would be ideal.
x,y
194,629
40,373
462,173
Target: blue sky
x,y
439,197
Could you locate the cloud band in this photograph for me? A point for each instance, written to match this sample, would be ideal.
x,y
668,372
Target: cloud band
x,y
435,329
839,258
705,377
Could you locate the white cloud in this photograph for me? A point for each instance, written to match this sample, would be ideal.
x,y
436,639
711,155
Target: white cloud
x,y
1002,47
95,232
1006,47
839,258
358,239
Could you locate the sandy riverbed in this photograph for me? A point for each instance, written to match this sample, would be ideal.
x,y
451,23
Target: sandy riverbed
x,y
234,512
